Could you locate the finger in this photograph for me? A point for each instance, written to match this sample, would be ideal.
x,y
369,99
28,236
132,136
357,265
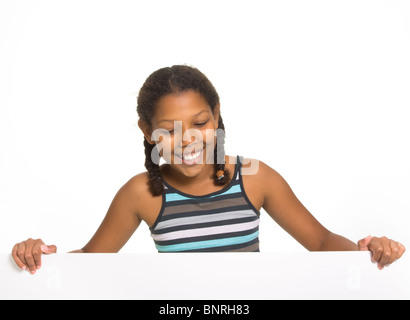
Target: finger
x,y
394,248
402,250
49,249
21,250
28,256
376,248
386,255
364,243
37,252
16,258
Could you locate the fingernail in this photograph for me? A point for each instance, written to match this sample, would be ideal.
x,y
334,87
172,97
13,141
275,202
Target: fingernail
x,y
44,248
23,267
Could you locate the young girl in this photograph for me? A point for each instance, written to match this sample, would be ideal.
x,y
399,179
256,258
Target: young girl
x,y
201,200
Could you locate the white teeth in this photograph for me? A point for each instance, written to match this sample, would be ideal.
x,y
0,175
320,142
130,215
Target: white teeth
x,y
192,157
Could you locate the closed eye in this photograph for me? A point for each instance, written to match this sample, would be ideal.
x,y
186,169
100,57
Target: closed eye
x,y
201,124
166,131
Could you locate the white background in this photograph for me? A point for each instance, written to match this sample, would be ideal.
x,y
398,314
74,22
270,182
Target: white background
x,y
318,90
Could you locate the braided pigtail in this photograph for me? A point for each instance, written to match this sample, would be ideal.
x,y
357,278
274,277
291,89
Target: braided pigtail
x,y
154,174
221,173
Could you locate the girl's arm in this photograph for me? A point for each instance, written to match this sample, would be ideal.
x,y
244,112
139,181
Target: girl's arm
x,y
282,205
119,224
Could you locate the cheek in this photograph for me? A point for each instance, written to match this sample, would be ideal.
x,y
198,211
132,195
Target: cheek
x,y
165,146
210,141
209,136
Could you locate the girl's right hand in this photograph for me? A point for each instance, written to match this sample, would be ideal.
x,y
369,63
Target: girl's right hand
x,y
27,254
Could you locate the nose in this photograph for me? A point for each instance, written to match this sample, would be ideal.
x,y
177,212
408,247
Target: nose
x,y
185,134
188,136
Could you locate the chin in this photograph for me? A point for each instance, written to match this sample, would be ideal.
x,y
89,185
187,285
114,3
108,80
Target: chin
x,y
189,171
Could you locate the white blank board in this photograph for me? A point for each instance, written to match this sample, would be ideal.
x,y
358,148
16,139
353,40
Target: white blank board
x,y
242,276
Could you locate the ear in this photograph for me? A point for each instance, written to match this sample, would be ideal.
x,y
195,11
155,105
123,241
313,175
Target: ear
x,y
146,130
216,114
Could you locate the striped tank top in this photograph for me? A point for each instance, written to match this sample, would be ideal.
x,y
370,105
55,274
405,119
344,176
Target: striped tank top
x,y
223,221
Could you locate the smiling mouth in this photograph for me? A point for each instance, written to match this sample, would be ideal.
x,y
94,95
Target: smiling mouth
x,y
191,158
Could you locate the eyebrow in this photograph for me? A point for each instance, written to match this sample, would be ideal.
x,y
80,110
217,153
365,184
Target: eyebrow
x,y
194,116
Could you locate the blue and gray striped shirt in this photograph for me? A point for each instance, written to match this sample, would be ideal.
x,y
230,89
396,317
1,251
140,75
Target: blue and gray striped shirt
x,y
223,221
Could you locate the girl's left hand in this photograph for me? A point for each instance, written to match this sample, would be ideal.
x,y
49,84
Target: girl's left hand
x,y
384,251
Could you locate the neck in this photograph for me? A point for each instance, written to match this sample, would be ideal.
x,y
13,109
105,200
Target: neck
x,y
176,177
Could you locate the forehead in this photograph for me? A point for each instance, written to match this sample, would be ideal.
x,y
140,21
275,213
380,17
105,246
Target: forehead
x,y
180,106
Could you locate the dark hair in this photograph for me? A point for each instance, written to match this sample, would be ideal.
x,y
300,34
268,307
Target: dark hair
x,y
177,79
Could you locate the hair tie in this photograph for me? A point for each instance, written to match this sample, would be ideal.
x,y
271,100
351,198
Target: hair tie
x,y
220,174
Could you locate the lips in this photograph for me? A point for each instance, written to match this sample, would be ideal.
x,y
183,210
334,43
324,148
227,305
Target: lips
x,y
192,158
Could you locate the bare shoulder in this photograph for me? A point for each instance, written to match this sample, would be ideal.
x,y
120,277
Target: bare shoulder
x,y
259,180
263,178
139,196
258,169
138,184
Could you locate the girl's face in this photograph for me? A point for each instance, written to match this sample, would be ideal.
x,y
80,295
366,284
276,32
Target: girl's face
x,y
184,129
